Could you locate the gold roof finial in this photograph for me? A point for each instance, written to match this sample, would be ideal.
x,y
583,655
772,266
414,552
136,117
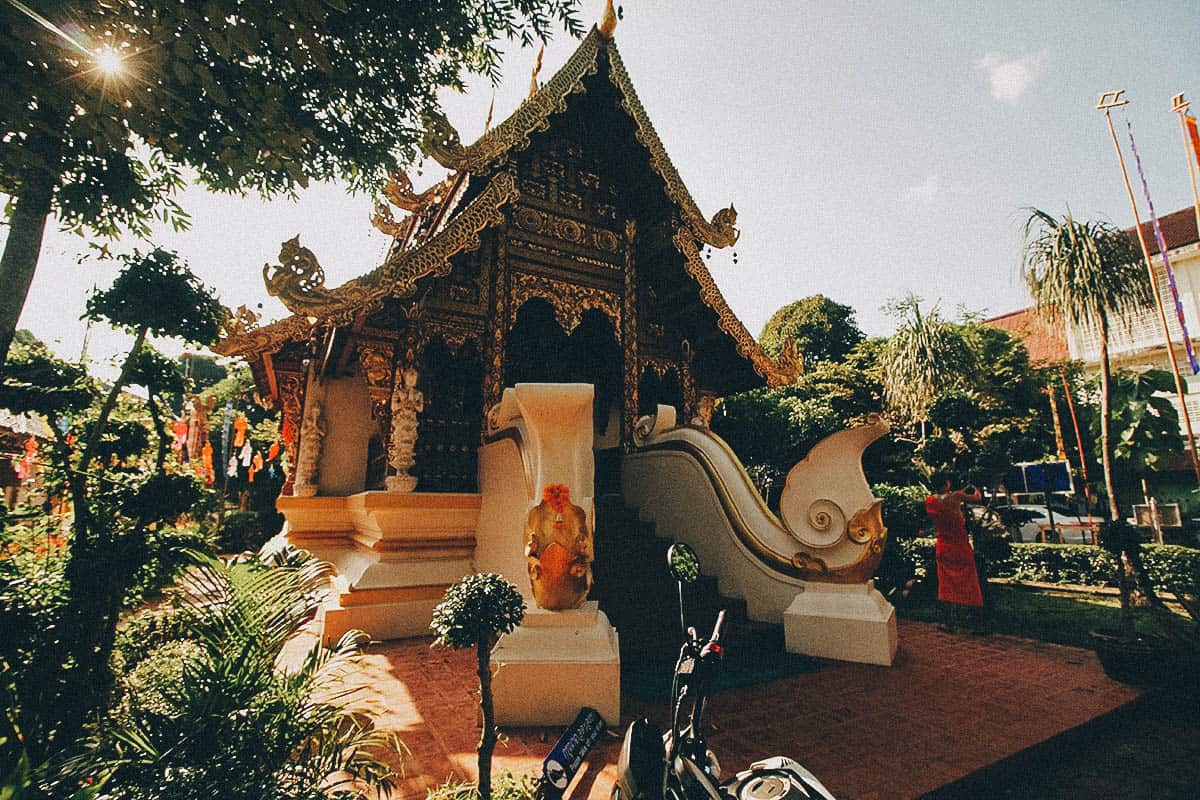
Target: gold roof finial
x,y
608,21
487,123
533,84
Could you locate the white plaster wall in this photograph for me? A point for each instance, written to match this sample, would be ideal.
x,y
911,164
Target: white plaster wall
x,y
348,428
500,537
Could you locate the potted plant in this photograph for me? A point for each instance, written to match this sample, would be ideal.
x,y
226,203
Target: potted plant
x,y
476,612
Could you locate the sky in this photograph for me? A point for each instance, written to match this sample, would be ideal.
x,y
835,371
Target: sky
x,y
872,150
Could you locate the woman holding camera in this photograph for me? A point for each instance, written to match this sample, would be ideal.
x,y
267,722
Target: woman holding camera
x,y
958,581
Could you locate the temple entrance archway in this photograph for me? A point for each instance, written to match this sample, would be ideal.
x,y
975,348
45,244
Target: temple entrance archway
x,y
538,350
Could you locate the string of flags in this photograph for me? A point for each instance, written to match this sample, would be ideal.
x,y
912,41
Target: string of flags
x,y
239,456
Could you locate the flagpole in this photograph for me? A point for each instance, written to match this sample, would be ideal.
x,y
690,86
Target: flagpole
x,y
1109,101
1180,107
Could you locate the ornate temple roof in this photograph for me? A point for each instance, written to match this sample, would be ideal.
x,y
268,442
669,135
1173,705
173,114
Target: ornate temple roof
x,y
425,242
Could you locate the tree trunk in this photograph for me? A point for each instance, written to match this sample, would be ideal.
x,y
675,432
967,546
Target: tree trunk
x,y
1106,424
110,402
1114,511
25,230
487,739
159,429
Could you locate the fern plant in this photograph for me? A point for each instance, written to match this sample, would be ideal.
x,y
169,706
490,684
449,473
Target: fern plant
x,y
222,712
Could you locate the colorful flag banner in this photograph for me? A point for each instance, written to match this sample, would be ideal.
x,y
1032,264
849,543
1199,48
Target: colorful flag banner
x,y
1194,135
1162,249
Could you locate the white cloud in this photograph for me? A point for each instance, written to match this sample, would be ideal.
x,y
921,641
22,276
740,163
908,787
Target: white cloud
x,y
926,190
1010,77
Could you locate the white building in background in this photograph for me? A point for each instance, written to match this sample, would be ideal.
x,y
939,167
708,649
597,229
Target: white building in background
x,y
1141,345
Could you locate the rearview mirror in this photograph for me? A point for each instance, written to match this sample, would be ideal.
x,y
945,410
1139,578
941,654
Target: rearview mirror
x,y
683,563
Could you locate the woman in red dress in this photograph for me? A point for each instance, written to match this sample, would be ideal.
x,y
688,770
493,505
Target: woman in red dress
x,y
958,582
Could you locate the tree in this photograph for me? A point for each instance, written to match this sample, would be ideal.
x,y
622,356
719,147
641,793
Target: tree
x,y
476,612
106,104
824,330
115,509
1145,423
1086,274
926,356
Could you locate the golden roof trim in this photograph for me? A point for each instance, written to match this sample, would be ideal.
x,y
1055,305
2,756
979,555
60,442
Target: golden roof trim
x,y
777,373
396,277
442,141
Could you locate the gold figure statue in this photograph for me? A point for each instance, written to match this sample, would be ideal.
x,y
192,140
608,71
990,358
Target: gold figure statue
x,y
558,550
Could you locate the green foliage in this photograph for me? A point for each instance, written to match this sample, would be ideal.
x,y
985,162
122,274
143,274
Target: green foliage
x,y
1085,565
157,293
208,710
824,330
925,357
508,786
161,497
158,373
122,439
479,608
1086,273
247,530
250,96
36,381
1145,424
903,509
1166,566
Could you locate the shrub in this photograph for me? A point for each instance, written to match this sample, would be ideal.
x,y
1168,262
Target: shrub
x,y
1169,567
1057,563
903,509
247,530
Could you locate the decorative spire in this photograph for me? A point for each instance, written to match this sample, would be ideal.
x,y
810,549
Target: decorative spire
x,y
533,84
487,123
608,21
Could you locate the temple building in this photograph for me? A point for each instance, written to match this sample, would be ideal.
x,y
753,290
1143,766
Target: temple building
x,y
562,247
541,351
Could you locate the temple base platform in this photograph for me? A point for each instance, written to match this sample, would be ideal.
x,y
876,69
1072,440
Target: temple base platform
x,y
845,622
394,554
555,663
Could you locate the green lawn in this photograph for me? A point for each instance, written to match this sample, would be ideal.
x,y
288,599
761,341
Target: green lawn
x,y
1045,615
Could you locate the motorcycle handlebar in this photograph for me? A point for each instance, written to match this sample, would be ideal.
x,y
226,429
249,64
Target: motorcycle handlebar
x,y
716,634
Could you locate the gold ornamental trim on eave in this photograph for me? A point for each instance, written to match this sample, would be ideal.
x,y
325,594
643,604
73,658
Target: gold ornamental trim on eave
x,y
777,373
443,144
396,277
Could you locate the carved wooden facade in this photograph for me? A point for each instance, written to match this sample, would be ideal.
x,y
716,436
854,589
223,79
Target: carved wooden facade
x,y
565,248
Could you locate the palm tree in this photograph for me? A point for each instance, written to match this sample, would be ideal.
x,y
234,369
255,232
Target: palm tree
x,y
924,357
1086,274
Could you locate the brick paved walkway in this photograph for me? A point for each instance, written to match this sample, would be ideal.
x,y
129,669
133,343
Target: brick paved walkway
x,y
950,705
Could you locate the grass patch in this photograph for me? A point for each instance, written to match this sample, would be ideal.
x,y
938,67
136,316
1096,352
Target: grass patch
x,y
1044,615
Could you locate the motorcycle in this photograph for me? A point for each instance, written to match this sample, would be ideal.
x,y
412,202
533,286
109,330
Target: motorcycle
x,y
678,765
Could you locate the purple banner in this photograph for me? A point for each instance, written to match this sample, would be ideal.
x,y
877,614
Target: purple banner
x,y
1162,249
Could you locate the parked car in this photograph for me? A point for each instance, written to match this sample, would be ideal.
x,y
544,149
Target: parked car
x,y
1026,522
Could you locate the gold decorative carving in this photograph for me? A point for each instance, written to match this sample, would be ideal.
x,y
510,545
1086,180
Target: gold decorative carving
x,y
240,322
396,277
297,279
608,21
443,143
570,300
629,340
398,189
568,230
383,221
660,366
375,362
776,374
291,398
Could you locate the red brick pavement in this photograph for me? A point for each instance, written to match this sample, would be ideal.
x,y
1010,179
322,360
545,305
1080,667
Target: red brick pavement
x,y
950,705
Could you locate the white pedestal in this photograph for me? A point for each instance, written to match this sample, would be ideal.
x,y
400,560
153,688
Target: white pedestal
x,y
556,663
844,622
